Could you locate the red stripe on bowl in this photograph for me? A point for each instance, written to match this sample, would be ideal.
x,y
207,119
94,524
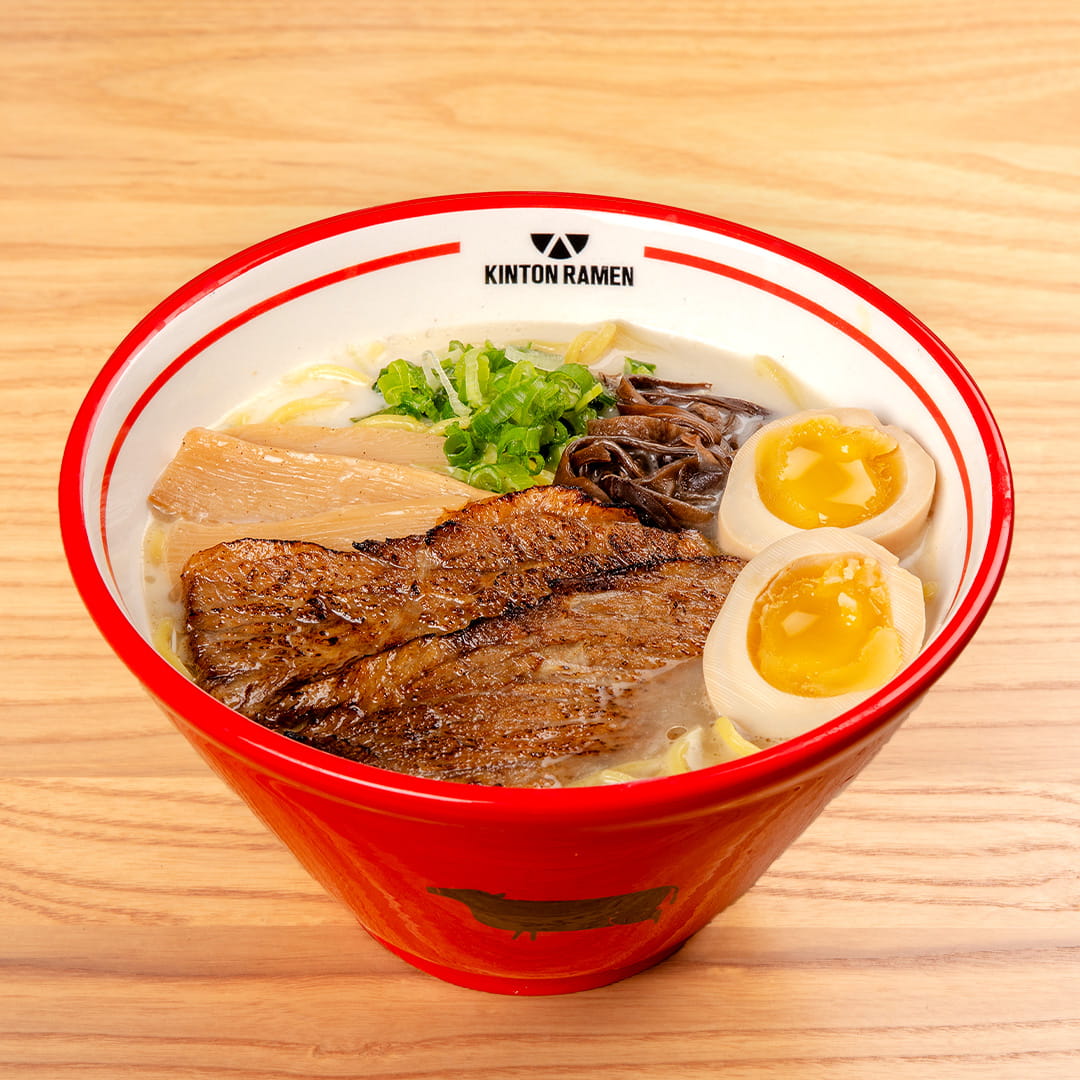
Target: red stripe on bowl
x,y
711,266
241,318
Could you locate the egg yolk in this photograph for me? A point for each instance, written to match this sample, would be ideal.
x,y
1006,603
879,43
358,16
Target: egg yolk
x,y
821,472
823,626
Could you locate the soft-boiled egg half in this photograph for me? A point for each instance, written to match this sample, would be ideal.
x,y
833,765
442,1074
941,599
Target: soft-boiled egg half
x,y
820,468
813,625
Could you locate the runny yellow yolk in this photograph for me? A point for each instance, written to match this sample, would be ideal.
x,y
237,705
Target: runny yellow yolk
x,y
821,472
823,626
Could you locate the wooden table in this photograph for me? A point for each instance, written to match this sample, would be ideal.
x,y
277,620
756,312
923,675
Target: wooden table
x,y
927,925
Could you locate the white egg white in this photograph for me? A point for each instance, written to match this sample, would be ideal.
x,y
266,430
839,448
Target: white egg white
x,y
746,526
735,688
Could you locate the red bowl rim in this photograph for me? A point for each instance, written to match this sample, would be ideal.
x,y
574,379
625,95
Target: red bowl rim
x,y
645,800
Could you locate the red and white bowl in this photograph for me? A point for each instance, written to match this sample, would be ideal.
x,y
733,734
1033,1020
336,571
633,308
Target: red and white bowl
x,y
516,890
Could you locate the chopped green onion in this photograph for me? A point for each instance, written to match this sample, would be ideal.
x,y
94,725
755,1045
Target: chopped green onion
x,y
507,413
459,447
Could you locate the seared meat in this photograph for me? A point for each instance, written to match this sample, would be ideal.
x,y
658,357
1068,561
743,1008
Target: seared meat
x,y
267,615
594,674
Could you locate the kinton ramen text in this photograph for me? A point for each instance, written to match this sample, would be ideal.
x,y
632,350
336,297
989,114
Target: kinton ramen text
x,y
551,274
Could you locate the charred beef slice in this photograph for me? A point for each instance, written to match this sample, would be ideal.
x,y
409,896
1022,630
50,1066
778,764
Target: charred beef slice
x,y
592,675
265,617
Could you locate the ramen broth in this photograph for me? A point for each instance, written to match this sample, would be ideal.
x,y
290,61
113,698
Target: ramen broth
x,y
334,391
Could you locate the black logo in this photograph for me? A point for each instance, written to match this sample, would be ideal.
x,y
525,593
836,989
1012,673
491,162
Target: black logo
x,y
559,245
559,266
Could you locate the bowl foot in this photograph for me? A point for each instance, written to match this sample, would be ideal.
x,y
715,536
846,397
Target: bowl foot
x,y
525,985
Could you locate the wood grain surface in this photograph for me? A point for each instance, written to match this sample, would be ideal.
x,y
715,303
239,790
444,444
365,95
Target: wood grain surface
x,y
927,927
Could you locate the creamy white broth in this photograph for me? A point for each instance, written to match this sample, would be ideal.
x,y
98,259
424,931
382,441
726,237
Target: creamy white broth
x,y
335,390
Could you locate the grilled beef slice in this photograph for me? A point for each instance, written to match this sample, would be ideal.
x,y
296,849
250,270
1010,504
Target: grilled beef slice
x,y
592,675
264,616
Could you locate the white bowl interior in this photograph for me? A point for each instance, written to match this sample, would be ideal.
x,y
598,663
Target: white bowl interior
x,y
445,273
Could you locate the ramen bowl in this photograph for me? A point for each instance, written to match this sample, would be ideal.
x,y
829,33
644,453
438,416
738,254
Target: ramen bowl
x,y
522,890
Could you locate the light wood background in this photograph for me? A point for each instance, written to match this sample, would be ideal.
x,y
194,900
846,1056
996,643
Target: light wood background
x,y
927,925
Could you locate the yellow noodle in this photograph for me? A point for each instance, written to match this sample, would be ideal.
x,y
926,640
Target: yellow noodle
x,y
392,420
604,777
588,346
302,406
695,749
366,356
164,641
684,754
727,737
154,545
337,372
768,368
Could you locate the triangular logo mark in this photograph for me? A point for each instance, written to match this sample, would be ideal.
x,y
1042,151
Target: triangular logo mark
x,y
556,246
559,250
